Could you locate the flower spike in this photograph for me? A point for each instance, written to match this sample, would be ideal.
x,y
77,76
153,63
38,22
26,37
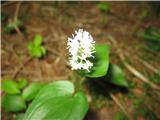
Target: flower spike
x,y
81,47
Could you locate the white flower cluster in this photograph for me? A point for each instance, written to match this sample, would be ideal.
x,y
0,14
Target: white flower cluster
x,y
81,47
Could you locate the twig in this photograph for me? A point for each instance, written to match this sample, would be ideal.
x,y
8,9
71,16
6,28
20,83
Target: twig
x,y
138,74
149,66
16,18
17,11
120,105
146,64
20,68
18,30
132,69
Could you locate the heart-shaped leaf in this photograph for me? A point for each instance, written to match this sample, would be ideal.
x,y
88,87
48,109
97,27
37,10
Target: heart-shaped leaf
x,y
31,91
13,103
10,86
101,61
58,101
116,76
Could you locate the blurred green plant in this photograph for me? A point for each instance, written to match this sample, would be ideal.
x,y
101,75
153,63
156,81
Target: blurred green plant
x,y
16,94
138,101
149,114
3,16
155,77
35,47
12,25
120,116
104,6
151,34
152,37
142,109
132,84
143,14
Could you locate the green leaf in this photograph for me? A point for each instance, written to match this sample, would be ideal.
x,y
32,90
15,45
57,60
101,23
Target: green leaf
x,y
30,46
101,63
22,83
36,52
43,50
10,86
58,101
31,91
37,40
117,76
13,103
35,48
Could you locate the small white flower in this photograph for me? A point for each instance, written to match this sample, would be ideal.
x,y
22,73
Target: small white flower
x,y
81,47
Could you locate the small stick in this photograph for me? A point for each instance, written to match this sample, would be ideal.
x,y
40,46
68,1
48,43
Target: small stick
x,y
17,11
138,74
18,30
16,17
120,105
147,65
20,68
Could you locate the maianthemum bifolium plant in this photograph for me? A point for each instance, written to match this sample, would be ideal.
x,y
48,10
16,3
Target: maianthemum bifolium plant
x,y
59,100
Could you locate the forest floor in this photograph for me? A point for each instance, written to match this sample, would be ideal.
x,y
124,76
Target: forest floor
x,y
56,21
